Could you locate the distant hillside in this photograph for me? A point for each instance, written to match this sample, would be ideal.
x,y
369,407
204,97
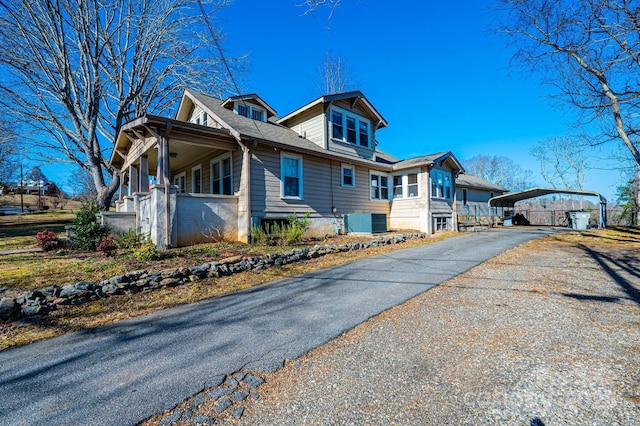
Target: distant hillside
x,y
31,202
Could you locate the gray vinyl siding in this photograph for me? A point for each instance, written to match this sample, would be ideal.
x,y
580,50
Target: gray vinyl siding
x,y
205,163
356,199
351,149
322,188
477,204
310,124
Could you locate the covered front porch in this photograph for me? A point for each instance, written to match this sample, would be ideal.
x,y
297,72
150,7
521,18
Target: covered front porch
x,y
151,152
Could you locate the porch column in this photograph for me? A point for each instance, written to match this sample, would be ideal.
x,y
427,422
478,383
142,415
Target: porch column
x,y
165,207
164,172
133,180
144,174
123,185
244,198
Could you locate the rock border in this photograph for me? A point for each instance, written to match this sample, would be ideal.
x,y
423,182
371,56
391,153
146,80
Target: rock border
x,y
43,301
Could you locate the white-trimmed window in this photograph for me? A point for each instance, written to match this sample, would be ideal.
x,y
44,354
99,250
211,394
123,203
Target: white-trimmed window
x,y
291,175
349,127
221,176
412,185
200,117
250,111
398,191
379,186
405,186
464,197
348,177
440,223
180,180
440,184
196,179
336,125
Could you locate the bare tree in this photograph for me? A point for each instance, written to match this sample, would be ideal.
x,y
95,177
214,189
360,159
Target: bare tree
x,y
81,184
312,5
589,50
563,162
335,75
8,151
75,71
500,171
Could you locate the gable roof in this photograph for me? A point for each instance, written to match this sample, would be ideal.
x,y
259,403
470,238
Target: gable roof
x,y
357,96
430,160
270,131
250,97
475,182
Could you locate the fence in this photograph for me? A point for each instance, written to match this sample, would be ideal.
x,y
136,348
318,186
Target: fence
x,y
547,217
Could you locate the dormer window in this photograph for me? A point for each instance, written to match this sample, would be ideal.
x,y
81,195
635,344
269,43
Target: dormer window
x,y
250,111
357,128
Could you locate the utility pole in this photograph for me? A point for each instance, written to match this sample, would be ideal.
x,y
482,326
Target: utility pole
x,y
21,190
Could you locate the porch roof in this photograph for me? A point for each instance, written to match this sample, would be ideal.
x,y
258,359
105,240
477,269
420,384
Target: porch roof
x,y
138,137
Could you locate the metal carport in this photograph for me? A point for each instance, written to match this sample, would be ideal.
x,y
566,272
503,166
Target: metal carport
x,y
510,199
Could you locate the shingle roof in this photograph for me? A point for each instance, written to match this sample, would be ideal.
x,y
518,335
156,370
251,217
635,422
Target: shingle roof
x,y
273,132
476,182
278,134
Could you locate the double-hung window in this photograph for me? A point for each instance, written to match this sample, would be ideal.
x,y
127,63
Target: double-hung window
x,y
379,187
336,124
291,175
397,187
180,180
348,175
196,179
349,127
412,185
405,186
221,182
364,133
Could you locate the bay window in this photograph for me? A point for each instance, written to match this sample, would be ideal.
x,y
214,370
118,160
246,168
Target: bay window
x,y
349,127
440,184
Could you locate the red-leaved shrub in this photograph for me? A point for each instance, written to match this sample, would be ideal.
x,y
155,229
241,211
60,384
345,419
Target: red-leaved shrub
x,y
48,240
108,246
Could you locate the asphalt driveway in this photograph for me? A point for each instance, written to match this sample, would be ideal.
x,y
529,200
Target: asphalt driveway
x,y
126,372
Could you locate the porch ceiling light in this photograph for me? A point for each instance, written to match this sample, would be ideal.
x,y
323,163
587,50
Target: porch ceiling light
x,y
173,154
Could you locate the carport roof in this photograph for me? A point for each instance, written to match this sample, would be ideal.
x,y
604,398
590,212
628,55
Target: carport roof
x,y
509,200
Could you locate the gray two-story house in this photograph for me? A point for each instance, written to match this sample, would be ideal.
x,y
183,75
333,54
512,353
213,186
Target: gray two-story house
x,y
222,166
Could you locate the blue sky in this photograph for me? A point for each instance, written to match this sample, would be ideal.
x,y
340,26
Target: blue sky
x,y
434,70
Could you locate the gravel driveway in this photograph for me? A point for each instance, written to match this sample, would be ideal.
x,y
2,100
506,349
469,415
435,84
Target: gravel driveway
x,y
544,334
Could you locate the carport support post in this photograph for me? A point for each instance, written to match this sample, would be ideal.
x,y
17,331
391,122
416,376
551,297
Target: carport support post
x,y
603,215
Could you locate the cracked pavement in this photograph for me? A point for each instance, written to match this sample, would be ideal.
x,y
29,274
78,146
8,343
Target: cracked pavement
x,y
128,371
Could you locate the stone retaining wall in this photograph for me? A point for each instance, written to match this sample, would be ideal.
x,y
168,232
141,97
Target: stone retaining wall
x,y
45,300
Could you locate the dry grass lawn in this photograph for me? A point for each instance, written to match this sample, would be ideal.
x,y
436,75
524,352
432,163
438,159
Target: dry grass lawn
x,y
34,270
